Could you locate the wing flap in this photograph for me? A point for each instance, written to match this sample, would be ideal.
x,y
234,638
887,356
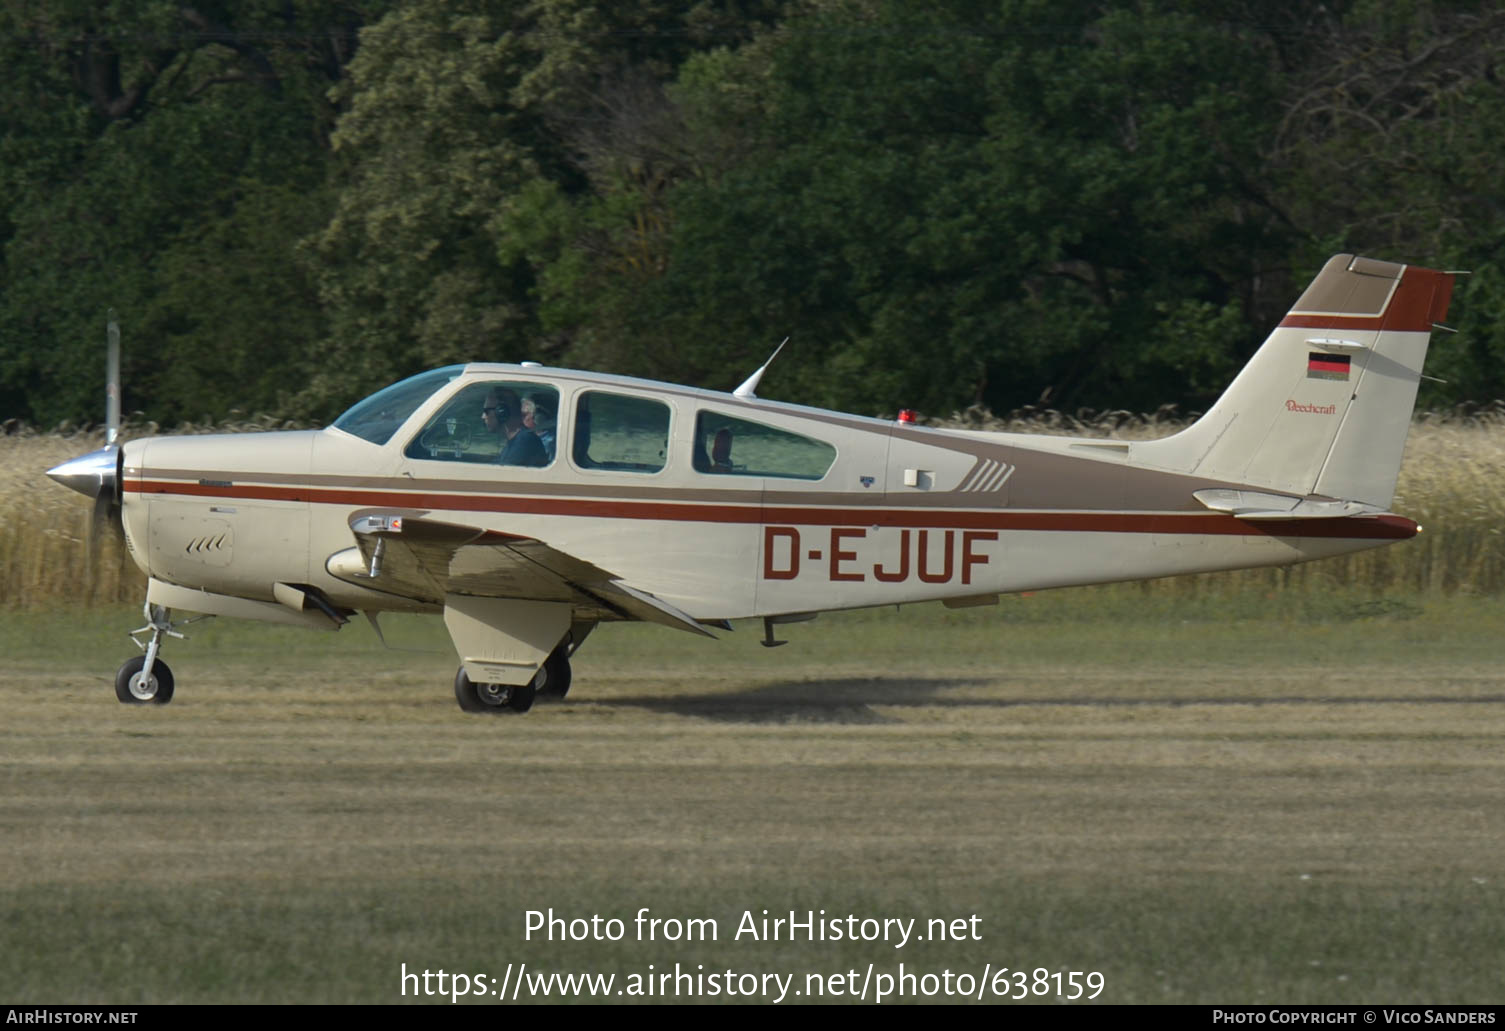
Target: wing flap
x,y
650,609
427,559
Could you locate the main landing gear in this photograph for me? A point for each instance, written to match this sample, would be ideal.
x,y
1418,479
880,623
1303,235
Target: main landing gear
x,y
146,677
551,681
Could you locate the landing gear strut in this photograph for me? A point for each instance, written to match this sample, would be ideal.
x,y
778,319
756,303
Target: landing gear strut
x,y
146,678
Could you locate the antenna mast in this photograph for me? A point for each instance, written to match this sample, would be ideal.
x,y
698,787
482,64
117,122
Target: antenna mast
x,y
750,384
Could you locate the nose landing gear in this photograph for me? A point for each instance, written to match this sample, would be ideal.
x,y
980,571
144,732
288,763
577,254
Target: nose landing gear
x,y
146,678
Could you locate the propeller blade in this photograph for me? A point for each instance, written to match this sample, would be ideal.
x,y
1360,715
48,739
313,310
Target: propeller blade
x,y
105,521
102,506
97,474
112,381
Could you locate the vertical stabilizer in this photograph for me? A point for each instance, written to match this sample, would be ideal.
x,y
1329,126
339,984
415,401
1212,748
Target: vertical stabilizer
x,y
1324,405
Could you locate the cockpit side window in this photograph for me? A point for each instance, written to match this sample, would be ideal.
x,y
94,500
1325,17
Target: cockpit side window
x,y
496,422
728,446
383,413
619,432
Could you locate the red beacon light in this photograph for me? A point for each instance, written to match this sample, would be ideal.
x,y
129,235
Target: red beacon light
x,y
907,416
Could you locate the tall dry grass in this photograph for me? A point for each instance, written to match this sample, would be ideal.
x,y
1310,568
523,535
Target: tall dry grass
x,y
50,554
1452,482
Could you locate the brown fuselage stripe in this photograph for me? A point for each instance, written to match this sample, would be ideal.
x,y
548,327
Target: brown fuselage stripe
x,y
1384,527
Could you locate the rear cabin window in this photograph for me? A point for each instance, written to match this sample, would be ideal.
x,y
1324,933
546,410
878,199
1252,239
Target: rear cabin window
x,y
498,422
726,446
618,432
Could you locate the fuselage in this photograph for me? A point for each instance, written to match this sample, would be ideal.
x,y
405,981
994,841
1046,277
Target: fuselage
x,y
723,506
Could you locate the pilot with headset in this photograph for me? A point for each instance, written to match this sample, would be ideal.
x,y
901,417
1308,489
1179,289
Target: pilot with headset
x,y
503,414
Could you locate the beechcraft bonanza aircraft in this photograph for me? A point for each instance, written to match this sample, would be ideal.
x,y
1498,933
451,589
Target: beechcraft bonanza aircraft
x,y
526,504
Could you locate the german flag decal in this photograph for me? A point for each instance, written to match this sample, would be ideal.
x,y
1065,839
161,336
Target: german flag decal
x,y
1326,366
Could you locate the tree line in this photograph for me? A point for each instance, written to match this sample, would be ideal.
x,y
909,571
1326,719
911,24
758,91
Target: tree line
x,y
1020,202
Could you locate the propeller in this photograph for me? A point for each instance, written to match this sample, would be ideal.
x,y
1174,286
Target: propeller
x,y
98,474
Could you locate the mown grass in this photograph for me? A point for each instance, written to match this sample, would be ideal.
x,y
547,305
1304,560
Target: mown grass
x,y
1452,482
1218,799
1268,786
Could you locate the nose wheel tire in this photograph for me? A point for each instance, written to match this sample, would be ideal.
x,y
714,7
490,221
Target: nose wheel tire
x,y
475,697
134,686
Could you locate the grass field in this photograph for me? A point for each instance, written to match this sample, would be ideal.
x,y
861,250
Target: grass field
x,y
1237,797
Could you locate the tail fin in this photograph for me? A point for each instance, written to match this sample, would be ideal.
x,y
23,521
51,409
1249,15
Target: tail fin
x,y
1324,405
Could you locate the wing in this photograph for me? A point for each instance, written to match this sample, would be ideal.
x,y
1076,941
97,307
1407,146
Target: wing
x,y
426,559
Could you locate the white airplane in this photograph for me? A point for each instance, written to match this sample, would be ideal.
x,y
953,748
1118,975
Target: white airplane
x,y
527,504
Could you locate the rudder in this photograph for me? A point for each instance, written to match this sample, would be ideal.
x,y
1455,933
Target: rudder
x,y
1324,405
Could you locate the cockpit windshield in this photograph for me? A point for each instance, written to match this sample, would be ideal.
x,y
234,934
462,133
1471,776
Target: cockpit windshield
x,y
379,416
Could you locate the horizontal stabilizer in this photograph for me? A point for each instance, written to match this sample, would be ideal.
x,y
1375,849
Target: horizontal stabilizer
x,y
1249,504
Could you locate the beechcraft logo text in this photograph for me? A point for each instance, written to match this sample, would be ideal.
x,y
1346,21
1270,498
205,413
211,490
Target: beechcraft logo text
x,y
1297,406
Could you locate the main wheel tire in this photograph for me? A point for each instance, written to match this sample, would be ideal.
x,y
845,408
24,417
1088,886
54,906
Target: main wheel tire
x,y
134,687
475,697
557,668
520,699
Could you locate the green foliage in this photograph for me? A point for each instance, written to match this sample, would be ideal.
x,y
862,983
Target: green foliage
x,y
465,124
943,206
1101,205
165,164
